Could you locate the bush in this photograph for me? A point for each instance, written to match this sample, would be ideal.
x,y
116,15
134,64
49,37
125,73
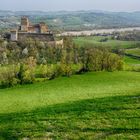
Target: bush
x,y
98,59
8,79
66,70
136,68
51,72
42,71
104,40
114,62
26,73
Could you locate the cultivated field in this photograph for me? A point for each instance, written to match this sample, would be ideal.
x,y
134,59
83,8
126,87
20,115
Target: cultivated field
x,y
97,105
97,41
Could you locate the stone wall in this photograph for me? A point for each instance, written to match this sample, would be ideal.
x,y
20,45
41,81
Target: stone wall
x,y
14,35
42,37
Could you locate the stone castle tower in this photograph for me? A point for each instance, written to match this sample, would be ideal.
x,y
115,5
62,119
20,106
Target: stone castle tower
x,y
24,24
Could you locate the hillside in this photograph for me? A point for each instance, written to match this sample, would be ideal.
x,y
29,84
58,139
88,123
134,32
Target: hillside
x,y
80,20
86,89
88,106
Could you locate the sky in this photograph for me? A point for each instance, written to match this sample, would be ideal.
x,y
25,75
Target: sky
x,y
70,5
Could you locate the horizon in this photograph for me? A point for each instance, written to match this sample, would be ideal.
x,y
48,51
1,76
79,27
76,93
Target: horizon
x,y
53,6
91,10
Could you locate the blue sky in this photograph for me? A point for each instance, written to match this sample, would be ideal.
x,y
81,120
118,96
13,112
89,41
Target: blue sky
x,y
70,5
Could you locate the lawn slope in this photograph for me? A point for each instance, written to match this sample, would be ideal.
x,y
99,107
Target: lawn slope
x,y
98,105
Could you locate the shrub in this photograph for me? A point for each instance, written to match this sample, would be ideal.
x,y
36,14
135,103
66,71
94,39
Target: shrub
x,y
42,71
8,79
28,77
114,62
26,72
66,70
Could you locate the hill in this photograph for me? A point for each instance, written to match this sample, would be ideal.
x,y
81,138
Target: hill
x,y
78,20
88,106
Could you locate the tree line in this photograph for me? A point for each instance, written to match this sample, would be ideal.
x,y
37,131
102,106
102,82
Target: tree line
x,y
31,60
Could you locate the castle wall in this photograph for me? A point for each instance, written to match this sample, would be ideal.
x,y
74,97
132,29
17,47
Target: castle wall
x,y
37,30
14,35
31,29
42,37
43,28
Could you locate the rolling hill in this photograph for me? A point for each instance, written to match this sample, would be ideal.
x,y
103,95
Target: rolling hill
x,y
78,20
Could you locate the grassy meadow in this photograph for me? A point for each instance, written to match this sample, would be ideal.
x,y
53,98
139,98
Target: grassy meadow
x,y
96,105
131,61
96,41
134,52
90,106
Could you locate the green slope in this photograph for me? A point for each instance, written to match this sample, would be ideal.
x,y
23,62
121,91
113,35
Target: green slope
x,y
132,61
95,40
99,105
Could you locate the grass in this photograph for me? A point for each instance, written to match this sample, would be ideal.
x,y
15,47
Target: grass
x,y
130,60
95,40
131,64
134,52
97,105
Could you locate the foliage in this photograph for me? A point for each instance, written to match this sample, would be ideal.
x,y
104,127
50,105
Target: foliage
x,y
26,72
128,36
37,59
8,78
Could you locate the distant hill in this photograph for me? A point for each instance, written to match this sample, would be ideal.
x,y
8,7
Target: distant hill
x,y
75,20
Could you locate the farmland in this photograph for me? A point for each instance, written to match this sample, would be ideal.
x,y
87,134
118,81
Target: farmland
x,y
111,43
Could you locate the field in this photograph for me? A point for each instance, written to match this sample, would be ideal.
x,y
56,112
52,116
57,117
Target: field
x,y
134,52
97,105
90,106
96,40
131,61
131,48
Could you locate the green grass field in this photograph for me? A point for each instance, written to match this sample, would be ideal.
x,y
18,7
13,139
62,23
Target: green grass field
x,y
97,105
134,52
91,106
131,61
95,40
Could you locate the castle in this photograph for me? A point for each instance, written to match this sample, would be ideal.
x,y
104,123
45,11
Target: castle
x,y
27,30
